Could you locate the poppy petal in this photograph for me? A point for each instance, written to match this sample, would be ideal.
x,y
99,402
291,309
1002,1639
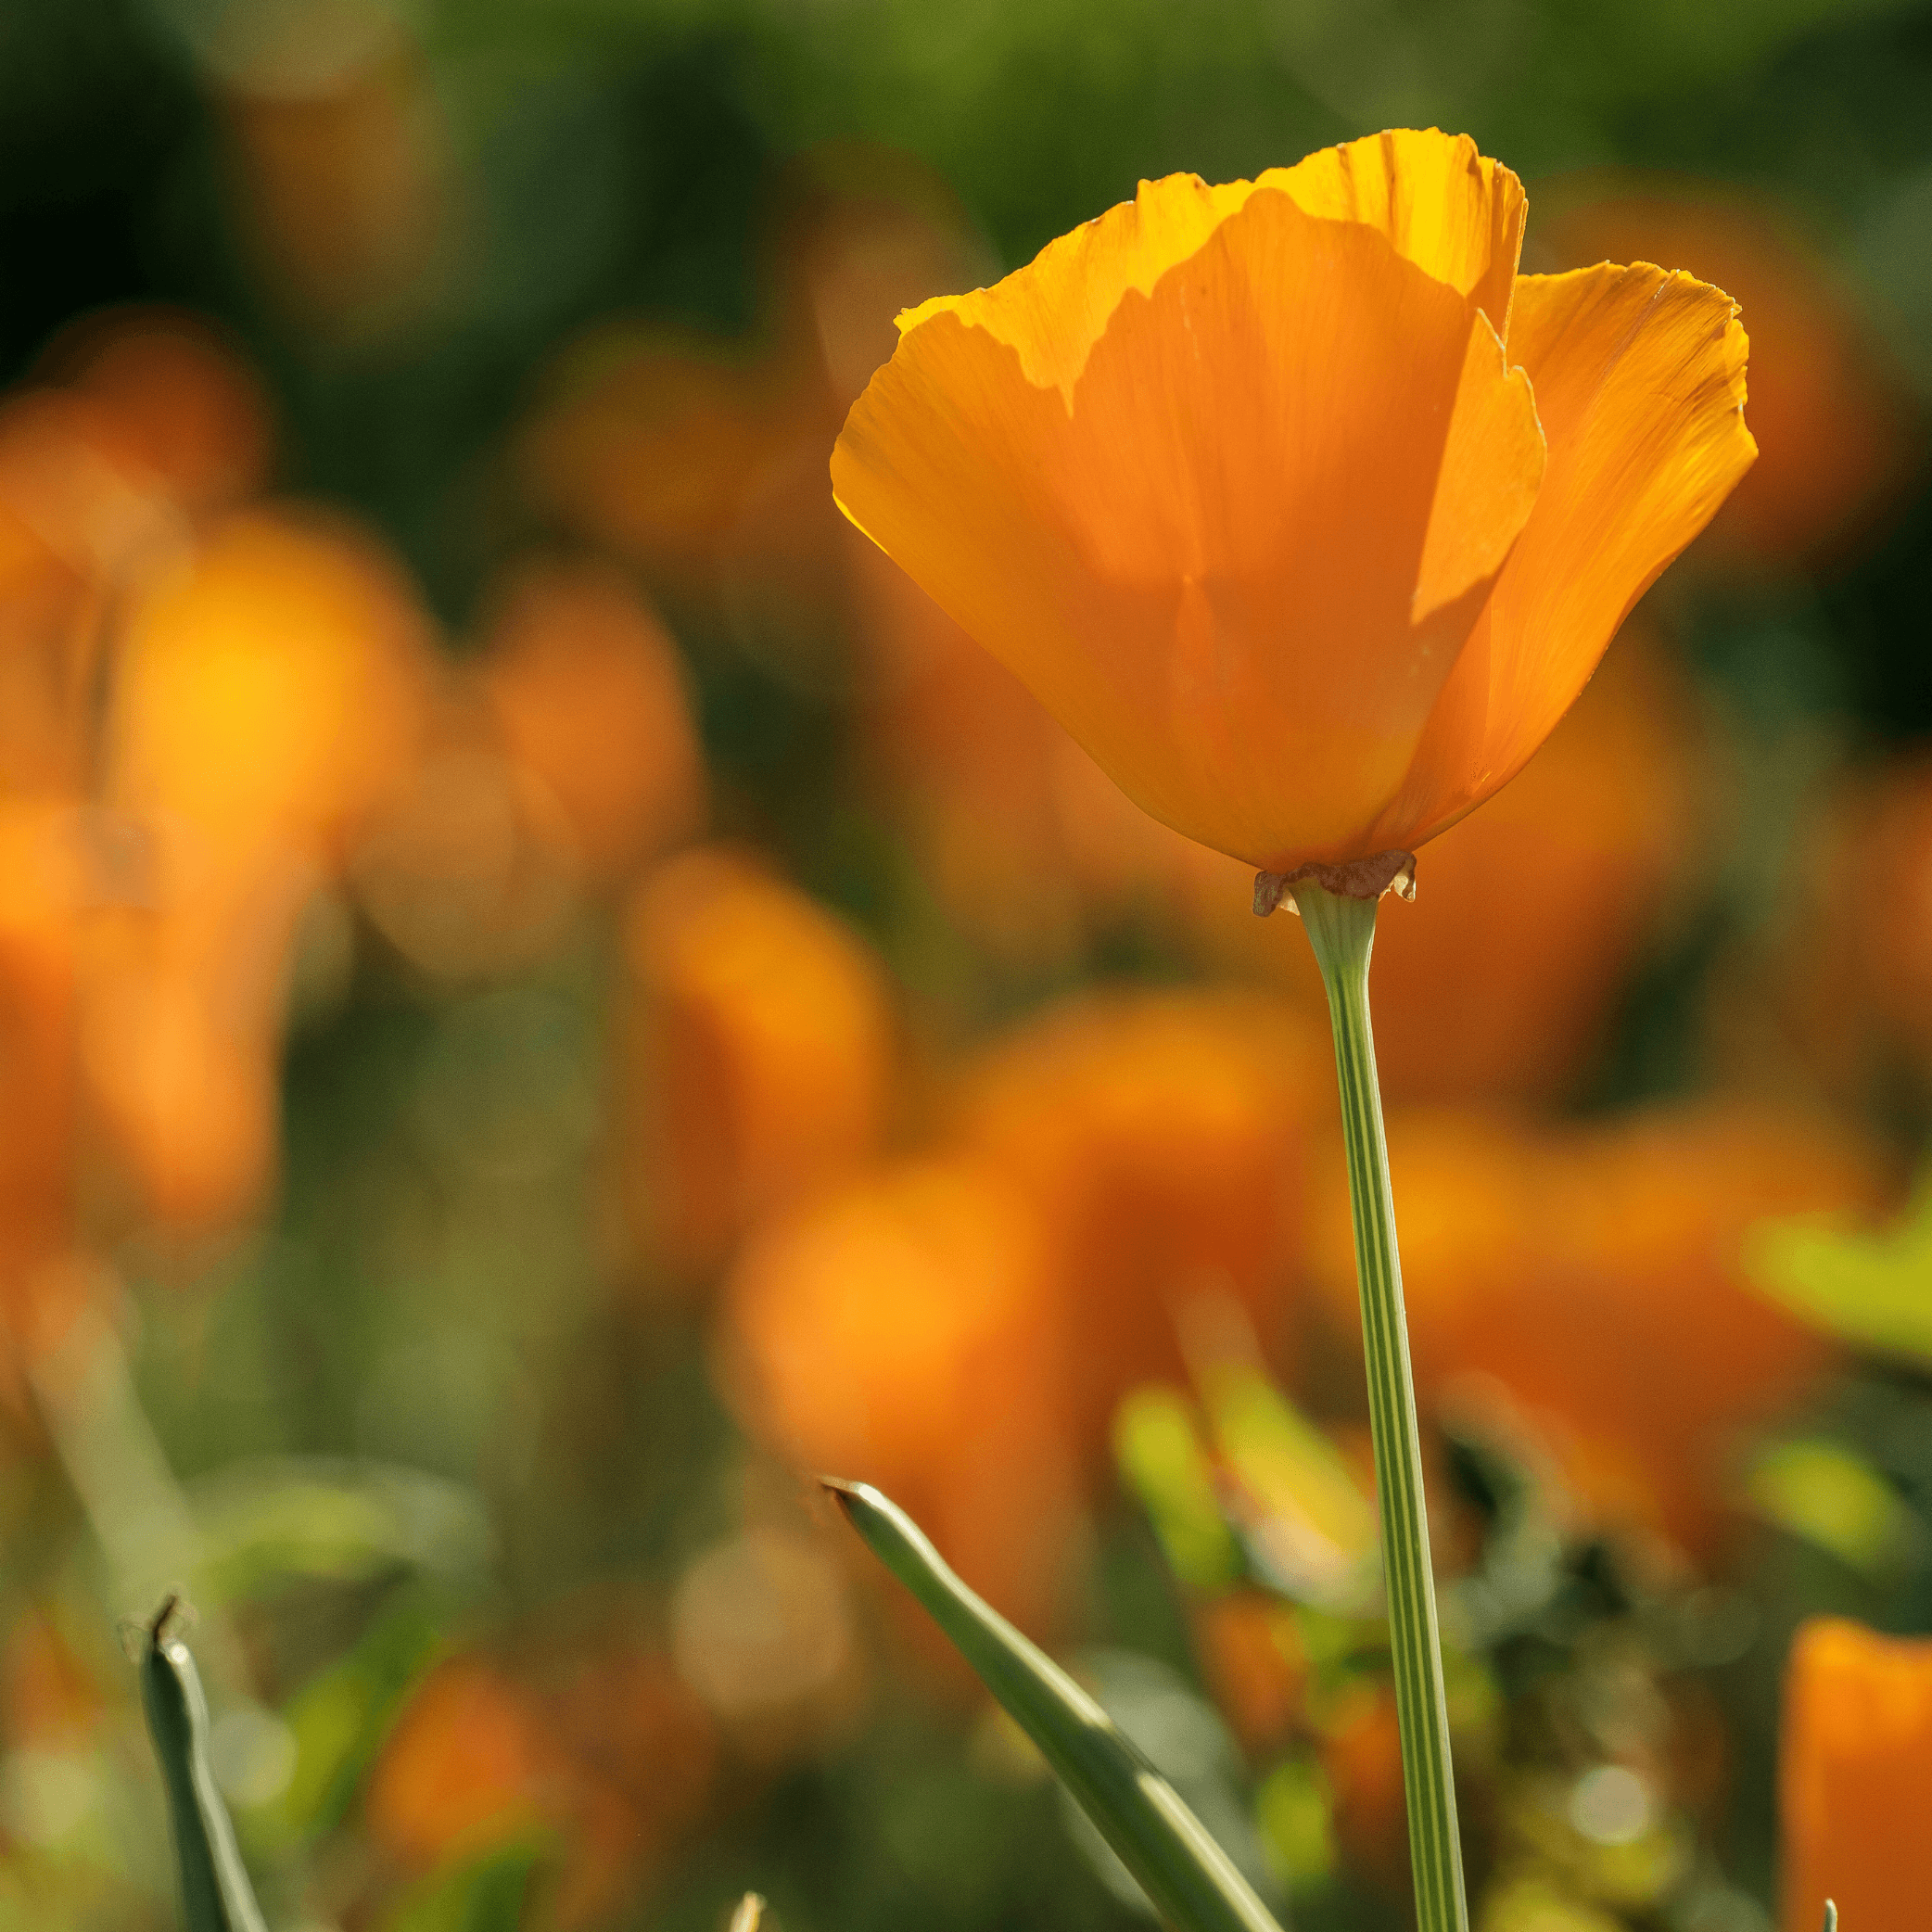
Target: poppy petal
x,y
1221,564
1639,381
1454,212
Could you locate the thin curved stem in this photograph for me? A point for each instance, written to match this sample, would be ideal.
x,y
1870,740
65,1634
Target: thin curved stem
x,y
1342,930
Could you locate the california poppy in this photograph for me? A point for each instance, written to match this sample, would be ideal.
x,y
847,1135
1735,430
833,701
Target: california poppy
x,y
1854,1759
758,1049
1594,1278
906,1325
1300,509
1163,1138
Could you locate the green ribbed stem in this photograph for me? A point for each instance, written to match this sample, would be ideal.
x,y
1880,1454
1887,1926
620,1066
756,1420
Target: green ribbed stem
x,y
1342,930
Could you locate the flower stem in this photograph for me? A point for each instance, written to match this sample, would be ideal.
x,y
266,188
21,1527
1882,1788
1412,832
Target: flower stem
x,y
1342,930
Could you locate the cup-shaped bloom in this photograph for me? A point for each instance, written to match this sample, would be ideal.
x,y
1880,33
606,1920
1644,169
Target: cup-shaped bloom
x,y
1295,504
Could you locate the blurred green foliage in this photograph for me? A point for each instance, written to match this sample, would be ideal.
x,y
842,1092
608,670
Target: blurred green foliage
x,y
414,1410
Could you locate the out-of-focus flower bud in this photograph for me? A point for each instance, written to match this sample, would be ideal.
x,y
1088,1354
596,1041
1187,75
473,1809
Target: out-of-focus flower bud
x,y
1594,1275
1164,1138
759,1059
589,691
50,1700
270,695
1854,1761
905,1331
468,1765
271,687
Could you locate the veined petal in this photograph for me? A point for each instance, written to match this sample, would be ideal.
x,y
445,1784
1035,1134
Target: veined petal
x,y
1220,569
1639,380
1053,311
1456,214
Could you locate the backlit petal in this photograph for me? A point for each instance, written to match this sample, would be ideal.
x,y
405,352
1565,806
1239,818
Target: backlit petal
x,y
1456,214
1639,380
1053,311
1235,568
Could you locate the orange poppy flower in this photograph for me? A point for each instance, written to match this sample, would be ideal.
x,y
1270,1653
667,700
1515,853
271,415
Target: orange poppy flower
x,y
1301,510
589,690
465,1767
759,1049
904,1328
1164,1138
1595,1276
1852,1767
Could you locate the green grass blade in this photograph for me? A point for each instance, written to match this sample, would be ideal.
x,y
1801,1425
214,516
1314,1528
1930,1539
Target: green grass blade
x,y
1187,1875
215,1893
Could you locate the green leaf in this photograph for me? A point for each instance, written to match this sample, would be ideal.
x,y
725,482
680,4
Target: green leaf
x,y
1189,1878
216,1896
1306,1516
1872,1290
488,1892
1163,1461
1827,1495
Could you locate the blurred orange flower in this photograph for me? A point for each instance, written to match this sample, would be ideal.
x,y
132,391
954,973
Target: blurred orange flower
x,y
1164,1138
702,459
573,1754
466,1766
1593,1276
44,892
589,690
905,1331
270,695
167,402
639,1755
270,686
142,422
760,1055
1834,418
1859,981
50,1700
1251,1653
1362,1759
1303,513
1854,1761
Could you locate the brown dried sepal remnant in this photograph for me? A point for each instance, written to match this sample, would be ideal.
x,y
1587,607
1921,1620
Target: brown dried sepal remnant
x,y
1354,879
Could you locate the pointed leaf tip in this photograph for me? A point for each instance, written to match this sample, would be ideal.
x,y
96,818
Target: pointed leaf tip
x,y
215,1892
1190,1879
